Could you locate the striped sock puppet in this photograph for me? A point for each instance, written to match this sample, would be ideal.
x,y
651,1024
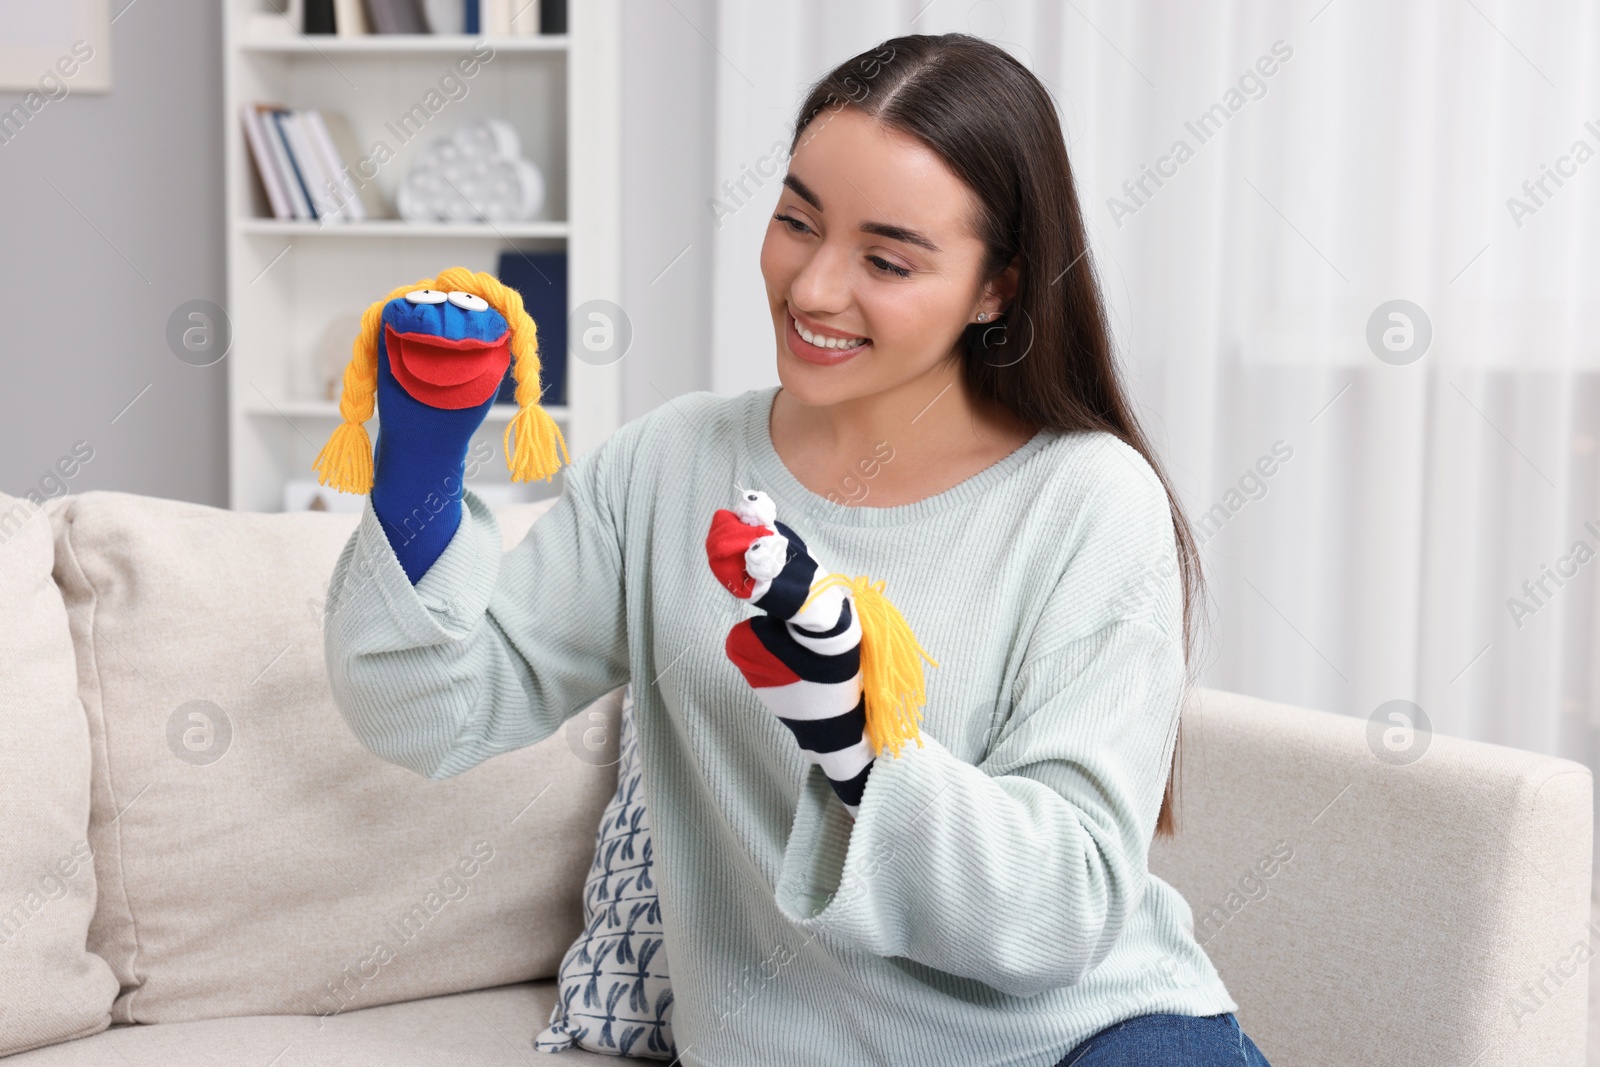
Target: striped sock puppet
x,y
828,655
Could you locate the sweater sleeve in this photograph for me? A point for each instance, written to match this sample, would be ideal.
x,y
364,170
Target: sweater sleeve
x,y
488,652
1021,871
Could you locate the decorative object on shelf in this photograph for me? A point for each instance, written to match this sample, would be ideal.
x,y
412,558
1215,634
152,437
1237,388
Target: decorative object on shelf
x,y
333,350
434,365
541,278
476,174
303,494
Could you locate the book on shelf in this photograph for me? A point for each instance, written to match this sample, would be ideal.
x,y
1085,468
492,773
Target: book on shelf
x,y
350,18
279,162
302,158
255,132
444,16
541,278
318,16
339,185
552,16
294,174
308,165
364,202
511,18
490,18
495,16
395,16
524,18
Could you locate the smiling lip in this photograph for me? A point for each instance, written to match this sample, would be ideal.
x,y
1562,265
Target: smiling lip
x,y
803,349
445,372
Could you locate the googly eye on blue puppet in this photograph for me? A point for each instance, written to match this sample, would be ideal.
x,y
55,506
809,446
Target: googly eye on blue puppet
x,y
430,358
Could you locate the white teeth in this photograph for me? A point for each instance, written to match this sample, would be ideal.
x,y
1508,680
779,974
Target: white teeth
x,y
825,342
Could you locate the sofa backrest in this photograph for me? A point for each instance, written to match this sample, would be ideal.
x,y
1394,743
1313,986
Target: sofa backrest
x,y
1365,904
51,988
252,856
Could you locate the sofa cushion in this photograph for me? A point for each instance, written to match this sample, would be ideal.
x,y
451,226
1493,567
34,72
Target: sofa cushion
x,y
50,988
487,1028
254,857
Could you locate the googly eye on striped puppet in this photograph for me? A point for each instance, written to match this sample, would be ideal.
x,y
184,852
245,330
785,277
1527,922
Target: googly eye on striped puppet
x,y
829,654
448,341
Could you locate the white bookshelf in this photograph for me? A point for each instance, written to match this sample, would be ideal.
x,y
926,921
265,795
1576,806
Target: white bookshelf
x,y
288,280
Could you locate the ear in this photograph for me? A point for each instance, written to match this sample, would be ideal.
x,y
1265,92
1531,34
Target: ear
x,y
1002,289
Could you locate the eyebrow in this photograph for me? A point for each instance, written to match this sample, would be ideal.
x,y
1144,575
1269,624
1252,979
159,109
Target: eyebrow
x,y
882,229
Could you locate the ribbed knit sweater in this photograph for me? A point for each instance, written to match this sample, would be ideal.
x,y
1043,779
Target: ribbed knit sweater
x,y
992,903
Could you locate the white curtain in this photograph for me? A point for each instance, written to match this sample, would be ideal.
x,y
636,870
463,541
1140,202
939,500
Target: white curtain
x,y
1383,158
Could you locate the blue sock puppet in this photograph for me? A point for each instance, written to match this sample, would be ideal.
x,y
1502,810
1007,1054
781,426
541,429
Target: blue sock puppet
x,y
433,354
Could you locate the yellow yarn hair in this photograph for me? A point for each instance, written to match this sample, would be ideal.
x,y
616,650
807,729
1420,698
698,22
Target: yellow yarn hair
x,y
345,462
891,676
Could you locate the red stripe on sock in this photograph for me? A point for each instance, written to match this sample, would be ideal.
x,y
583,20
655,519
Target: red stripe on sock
x,y
759,667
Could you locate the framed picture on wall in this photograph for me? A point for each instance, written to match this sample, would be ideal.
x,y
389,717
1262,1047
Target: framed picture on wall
x,y
51,50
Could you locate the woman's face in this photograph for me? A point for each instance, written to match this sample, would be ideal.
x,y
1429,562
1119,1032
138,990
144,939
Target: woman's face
x,y
872,238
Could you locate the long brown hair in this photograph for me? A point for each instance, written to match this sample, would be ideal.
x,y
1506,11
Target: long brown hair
x,y
1050,361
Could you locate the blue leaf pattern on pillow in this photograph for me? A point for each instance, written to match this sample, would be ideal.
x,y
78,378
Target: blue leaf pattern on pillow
x,y
615,990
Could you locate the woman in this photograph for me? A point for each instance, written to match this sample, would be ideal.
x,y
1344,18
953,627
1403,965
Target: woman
x,y
945,365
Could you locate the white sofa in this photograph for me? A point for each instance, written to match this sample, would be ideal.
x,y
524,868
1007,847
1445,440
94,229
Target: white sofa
x,y
202,866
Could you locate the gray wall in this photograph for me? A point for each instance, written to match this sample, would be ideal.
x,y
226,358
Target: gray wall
x,y
669,94
90,273
112,218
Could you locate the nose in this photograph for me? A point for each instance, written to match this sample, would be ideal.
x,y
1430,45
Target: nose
x,y
822,287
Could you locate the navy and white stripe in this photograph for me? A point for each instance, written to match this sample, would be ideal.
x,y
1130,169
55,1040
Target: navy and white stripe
x,y
806,668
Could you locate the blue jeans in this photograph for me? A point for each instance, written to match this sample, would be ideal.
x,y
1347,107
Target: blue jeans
x,y
1175,1040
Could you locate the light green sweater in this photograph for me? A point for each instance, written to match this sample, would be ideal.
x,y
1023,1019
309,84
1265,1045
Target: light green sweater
x,y
992,904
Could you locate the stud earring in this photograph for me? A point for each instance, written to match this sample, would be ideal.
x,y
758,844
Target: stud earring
x,y
983,316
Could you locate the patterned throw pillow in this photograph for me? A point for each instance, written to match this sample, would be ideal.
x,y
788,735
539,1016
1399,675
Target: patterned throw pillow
x,y
615,995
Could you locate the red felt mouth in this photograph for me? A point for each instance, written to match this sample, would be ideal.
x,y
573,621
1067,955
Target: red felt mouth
x,y
446,373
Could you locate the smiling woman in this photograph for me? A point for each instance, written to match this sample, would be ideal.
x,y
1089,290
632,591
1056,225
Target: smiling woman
x,y
874,266
922,204
982,895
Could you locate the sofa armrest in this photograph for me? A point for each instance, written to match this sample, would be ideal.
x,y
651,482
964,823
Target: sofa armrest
x,y
1436,912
